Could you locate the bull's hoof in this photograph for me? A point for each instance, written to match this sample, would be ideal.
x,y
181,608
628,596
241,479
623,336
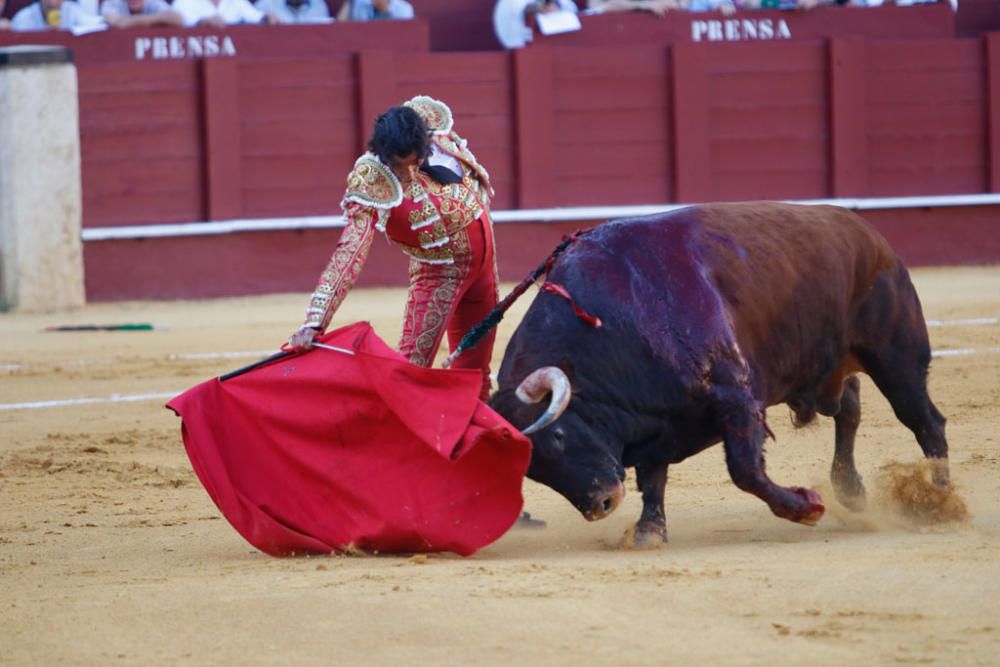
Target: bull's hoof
x,y
644,536
814,506
939,472
850,492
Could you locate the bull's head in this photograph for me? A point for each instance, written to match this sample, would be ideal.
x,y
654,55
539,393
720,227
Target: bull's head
x,y
570,454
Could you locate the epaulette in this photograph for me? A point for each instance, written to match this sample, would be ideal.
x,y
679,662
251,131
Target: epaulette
x,y
435,113
371,183
458,147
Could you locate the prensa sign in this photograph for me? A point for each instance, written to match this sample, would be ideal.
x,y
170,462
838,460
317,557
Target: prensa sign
x,y
739,30
176,48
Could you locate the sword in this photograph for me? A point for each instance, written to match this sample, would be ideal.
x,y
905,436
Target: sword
x,y
257,364
276,356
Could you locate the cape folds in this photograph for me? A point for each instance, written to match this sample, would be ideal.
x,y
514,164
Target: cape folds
x,y
328,451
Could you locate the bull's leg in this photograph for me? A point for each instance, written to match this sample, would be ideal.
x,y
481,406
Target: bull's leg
x,y
904,385
846,479
898,364
743,438
651,529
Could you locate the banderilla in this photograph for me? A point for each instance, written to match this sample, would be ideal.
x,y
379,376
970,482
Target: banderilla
x,y
492,319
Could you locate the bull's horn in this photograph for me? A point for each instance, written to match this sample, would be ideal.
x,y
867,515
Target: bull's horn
x,y
548,379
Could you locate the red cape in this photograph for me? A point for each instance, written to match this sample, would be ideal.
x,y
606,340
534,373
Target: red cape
x,y
324,451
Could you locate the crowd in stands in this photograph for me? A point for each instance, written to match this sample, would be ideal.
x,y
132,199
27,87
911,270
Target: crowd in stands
x,y
514,20
78,15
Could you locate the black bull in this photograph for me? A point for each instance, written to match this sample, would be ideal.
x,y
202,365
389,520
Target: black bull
x,y
709,315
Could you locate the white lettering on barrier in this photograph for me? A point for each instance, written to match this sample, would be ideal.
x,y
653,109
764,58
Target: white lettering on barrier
x,y
142,47
176,48
738,30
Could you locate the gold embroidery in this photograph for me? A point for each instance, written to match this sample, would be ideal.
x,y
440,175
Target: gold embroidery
x,y
371,183
344,266
425,321
435,113
424,216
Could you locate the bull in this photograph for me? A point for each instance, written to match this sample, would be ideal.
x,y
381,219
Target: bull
x,y
708,315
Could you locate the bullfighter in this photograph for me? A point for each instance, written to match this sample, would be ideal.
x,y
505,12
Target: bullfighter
x,y
420,185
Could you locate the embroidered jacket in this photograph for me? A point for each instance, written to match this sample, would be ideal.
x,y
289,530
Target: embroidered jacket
x,y
421,220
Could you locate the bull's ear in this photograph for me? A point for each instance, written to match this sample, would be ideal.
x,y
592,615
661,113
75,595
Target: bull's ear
x,y
566,366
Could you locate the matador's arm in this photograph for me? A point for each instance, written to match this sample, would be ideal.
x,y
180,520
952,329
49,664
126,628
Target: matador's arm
x,y
372,191
344,267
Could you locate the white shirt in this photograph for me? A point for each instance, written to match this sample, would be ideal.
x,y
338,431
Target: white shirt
x,y
438,158
71,15
508,21
231,11
312,11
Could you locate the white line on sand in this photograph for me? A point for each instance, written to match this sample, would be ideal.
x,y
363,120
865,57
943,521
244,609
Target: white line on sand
x,y
973,322
118,398
197,356
964,352
113,398
222,355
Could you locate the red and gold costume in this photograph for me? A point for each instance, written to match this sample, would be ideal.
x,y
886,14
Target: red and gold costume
x,y
445,229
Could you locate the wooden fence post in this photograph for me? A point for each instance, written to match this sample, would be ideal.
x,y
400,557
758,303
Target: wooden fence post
x,y
993,108
376,90
692,156
534,127
220,96
848,62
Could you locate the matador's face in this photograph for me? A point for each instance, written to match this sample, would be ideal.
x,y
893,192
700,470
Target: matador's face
x,y
405,167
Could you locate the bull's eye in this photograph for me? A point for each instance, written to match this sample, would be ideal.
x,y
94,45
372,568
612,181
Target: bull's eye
x,y
558,442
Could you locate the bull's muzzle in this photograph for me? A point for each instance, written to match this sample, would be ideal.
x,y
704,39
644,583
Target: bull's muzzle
x,y
604,502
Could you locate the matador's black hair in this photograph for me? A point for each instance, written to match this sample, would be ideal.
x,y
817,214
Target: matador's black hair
x,y
399,132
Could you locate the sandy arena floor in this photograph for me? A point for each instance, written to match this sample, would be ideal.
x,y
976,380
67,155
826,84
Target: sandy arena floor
x,y
111,552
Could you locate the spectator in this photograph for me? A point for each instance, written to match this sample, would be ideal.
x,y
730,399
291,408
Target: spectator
x,y
373,10
140,13
513,20
724,6
4,23
296,11
52,14
658,7
787,4
220,13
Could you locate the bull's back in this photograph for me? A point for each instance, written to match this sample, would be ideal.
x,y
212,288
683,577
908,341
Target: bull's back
x,y
784,276
787,255
792,277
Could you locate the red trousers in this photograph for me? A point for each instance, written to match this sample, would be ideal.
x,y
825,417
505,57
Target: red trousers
x,y
453,298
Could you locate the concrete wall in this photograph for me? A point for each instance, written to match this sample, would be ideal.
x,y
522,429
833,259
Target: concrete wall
x,y
41,258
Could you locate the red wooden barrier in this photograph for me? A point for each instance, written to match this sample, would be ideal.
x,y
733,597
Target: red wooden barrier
x,y
635,28
849,127
242,41
975,17
611,116
993,108
926,112
569,127
262,134
140,143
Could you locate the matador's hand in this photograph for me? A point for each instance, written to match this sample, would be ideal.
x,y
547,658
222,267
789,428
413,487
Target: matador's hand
x,y
302,339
